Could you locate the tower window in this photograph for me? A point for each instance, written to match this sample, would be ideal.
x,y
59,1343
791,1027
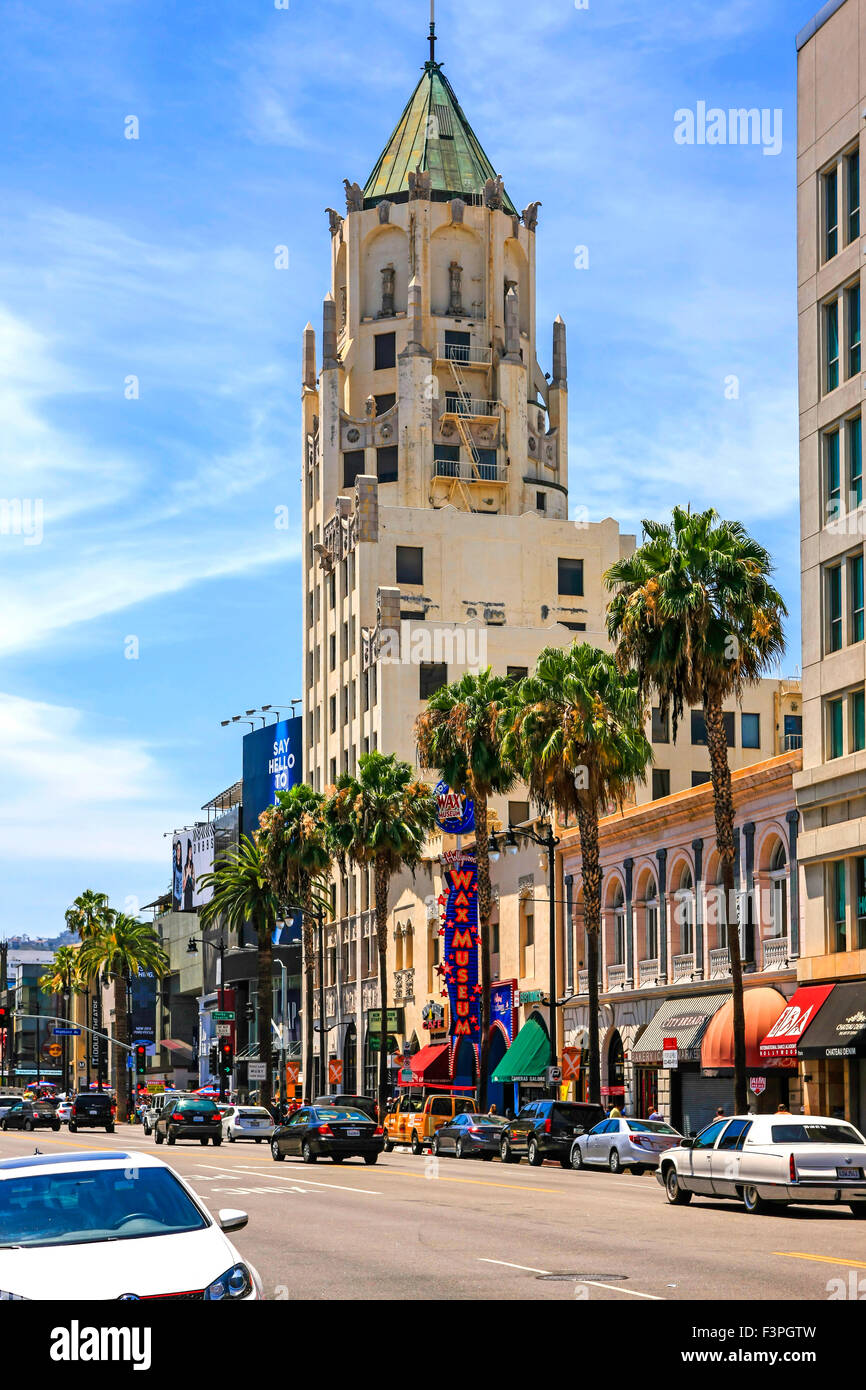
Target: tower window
x,y
353,465
570,578
386,464
410,564
386,351
385,402
661,782
541,501
432,676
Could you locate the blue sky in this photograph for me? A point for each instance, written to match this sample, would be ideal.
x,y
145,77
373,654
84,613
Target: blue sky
x,y
154,258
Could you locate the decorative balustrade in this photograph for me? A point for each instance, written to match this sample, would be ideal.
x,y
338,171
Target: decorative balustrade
x,y
683,967
647,972
617,976
583,981
404,985
776,950
720,963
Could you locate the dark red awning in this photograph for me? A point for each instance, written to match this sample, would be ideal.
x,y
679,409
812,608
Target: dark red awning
x,y
429,1067
786,1034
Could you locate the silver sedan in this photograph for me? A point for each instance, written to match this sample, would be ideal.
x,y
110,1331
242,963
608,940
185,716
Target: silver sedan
x,y
248,1122
624,1143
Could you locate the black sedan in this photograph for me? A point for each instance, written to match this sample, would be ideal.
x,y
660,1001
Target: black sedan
x,y
31,1114
328,1131
468,1135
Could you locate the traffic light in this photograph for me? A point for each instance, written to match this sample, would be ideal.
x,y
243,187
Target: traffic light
x,y
213,1060
5,1016
226,1058
140,1059
249,1012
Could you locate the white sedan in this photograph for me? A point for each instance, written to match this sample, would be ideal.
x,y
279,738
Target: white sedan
x,y
769,1161
248,1122
620,1144
110,1225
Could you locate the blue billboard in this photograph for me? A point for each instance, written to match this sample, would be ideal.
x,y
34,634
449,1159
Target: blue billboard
x,y
272,763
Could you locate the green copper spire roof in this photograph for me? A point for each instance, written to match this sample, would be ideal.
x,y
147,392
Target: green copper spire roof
x,y
432,134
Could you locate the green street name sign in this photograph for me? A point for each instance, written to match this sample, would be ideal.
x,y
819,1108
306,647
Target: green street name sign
x,y
223,1015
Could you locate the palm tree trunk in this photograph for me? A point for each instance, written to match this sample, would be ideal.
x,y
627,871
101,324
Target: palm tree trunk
x,y
723,803
381,880
309,993
266,1008
587,819
482,859
121,1033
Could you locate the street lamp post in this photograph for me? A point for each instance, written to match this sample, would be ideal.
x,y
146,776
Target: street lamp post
x,y
548,842
192,949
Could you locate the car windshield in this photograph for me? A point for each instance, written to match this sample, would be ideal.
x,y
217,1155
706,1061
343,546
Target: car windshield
x,y
331,1113
651,1127
808,1133
94,1204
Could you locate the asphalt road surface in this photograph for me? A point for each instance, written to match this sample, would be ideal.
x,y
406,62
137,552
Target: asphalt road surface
x,y
420,1228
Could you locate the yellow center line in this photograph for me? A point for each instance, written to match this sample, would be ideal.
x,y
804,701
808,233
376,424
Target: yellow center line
x,y
821,1259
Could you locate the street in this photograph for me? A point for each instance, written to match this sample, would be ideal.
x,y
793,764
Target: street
x,y
420,1228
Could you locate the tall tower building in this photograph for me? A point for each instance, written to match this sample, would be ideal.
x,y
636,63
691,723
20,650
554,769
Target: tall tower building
x,y
831,790
437,535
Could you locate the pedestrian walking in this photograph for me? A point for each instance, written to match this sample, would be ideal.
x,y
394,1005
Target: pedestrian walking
x,y
615,1113
720,1112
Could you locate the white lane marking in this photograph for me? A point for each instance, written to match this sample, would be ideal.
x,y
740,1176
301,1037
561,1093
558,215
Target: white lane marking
x,y
593,1283
509,1265
308,1182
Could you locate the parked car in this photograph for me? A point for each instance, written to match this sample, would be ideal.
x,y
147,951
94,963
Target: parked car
x,y
414,1120
328,1131
30,1114
625,1143
191,1117
770,1160
470,1134
93,1109
547,1129
114,1226
366,1103
7,1101
64,1111
247,1122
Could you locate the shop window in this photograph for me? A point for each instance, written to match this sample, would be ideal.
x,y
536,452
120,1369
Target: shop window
x,y
385,351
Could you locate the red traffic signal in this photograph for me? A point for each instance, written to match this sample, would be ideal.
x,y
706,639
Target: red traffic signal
x,y
5,1016
226,1058
140,1059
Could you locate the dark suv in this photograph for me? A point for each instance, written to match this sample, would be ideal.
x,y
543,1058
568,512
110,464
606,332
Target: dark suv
x,y
193,1117
547,1129
93,1110
30,1114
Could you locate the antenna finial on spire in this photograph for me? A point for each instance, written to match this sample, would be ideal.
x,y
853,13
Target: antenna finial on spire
x,y
432,31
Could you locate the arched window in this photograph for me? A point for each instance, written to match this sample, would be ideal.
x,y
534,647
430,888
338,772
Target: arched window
x,y
779,891
685,911
618,908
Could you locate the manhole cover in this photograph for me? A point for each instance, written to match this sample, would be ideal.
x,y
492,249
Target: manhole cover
x,y
570,1278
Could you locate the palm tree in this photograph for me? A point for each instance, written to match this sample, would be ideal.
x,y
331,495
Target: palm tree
x,y
577,739
380,819
87,917
297,860
695,614
460,734
63,979
123,948
243,896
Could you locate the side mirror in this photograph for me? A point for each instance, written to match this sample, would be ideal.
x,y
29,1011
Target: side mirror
x,y
687,1143
578,1130
230,1220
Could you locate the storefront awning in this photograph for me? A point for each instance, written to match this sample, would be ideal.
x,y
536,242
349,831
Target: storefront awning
x,y
761,1007
429,1067
840,1028
786,1034
527,1056
686,1020
176,1045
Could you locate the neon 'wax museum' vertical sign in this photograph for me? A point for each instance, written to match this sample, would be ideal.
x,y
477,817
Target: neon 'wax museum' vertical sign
x,y
460,954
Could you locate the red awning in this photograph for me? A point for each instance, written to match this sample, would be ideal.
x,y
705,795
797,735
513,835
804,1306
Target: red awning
x,y
786,1034
430,1065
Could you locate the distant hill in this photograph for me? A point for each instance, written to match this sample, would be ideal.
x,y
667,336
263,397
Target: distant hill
x,y
23,942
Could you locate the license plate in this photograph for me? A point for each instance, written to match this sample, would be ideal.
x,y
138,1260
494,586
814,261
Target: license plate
x,y
353,1133
847,1172
93,1112
199,1119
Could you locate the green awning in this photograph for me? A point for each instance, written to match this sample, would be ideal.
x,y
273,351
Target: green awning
x,y
527,1056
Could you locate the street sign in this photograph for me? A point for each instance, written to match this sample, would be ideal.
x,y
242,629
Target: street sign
x,y
670,1053
394,1022
38,1071
293,1072
552,1076
223,1015
758,1084
224,1030
335,1071
66,1032
256,1071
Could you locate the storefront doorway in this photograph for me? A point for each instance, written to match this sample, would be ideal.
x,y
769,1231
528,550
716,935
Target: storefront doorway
x,y
646,1088
499,1093
350,1061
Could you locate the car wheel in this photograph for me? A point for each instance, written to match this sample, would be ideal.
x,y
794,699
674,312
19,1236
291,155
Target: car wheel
x,y
676,1195
753,1203
576,1157
73,1127
460,1151
28,1125
2,1124
276,1153
505,1153
337,1158
203,1142
230,1136
146,1129
158,1136
307,1153
370,1159
858,1209
56,1127
109,1129
217,1140
434,1147
258,1141
534,1154
613,1161
415,1143
172,1138
387,1145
